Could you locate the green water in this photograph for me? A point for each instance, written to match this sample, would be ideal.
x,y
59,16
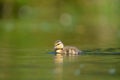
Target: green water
x,y
37,64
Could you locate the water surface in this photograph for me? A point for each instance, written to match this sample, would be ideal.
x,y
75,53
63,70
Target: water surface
x,y
36,64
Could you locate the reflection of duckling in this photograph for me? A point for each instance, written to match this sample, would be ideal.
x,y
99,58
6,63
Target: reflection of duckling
x,y
67,50
58,58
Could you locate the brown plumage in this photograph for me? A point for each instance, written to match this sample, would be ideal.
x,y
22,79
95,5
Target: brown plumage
x,y
67,50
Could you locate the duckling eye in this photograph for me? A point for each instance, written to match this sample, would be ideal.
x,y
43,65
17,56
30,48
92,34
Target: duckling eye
x,y
57,44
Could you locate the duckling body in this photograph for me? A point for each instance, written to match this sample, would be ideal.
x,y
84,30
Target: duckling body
x,y
67,50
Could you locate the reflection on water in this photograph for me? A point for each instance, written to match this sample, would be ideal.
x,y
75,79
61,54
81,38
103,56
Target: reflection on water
x,y
87,67
59,61
71,58
58,67
37,65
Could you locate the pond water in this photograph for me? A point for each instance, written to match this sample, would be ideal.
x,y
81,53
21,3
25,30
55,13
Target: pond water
x,y
38,64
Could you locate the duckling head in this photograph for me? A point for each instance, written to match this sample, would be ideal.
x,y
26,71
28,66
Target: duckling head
x,y
58,45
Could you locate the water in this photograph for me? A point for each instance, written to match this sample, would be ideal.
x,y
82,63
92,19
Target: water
x,y
37,64
92,67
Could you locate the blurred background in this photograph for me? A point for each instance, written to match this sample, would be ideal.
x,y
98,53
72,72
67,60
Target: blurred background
x,y
39,23
29,28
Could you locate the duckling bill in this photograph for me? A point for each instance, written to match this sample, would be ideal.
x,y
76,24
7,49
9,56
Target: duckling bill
x,y
65,50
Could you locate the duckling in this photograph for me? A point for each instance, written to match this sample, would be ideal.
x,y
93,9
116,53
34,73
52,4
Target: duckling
x,y
65,50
